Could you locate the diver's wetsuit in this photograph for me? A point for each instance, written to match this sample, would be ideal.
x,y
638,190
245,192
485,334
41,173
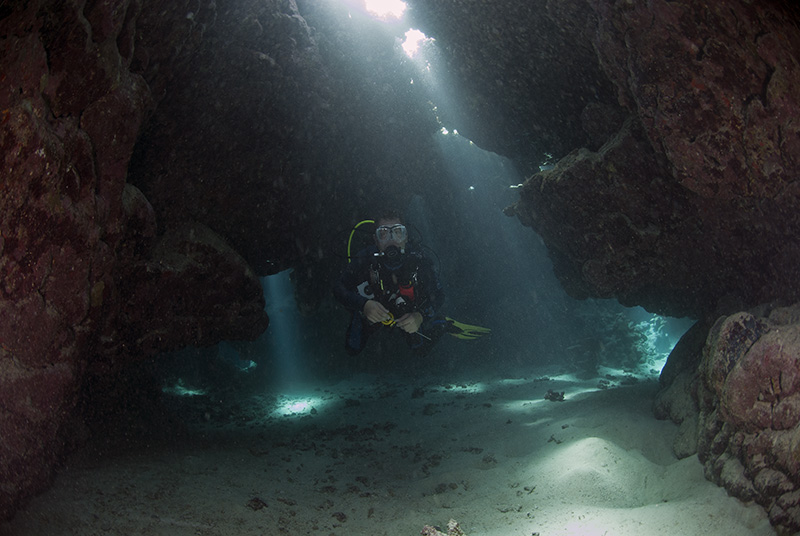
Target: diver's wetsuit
x,y
410,285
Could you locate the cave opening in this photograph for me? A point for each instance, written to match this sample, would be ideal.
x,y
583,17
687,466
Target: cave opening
x,y
386,8
413,40
304,395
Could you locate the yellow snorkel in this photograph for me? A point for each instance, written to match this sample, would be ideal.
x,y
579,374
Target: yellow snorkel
x,y
350,240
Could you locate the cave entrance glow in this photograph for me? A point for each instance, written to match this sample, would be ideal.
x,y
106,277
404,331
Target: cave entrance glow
x,y
505,280
386,9
392,11
413,41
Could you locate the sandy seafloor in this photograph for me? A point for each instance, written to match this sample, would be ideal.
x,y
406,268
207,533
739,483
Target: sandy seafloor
x,y
371,456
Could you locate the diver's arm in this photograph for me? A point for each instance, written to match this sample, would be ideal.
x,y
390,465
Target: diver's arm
x,y
410,322
374,312
346,288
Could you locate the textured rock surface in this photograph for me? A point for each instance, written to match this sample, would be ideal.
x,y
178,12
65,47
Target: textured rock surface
x,y
740,409
675,189
256,134
613,221
185,259
239,110
70,115
664,214
74,238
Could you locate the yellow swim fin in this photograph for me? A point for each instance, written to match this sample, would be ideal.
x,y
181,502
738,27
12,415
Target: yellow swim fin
x,y
459,330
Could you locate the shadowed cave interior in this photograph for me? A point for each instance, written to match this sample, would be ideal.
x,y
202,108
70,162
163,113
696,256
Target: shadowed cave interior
x,y
608,189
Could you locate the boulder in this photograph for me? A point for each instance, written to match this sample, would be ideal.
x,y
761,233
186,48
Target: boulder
x,y
742,410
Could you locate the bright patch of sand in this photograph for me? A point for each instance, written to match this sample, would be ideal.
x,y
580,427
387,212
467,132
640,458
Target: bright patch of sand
x,y
371,457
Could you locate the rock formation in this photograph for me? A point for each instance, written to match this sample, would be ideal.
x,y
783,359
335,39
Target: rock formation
x,y
739,411
157,159
674,134
673,125
80,260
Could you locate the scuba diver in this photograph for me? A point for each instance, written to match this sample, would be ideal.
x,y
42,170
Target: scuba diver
x,y
392,285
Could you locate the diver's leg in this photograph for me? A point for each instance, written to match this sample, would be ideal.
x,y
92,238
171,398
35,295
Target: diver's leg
x,y
428,335
357,334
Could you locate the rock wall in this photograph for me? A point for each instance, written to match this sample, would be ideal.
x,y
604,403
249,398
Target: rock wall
x,y
71,113
157,158
711,86
688,201
152,150
673,132
77,242
741,409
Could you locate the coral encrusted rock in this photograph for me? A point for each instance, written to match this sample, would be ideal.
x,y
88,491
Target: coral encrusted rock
x,y
743,407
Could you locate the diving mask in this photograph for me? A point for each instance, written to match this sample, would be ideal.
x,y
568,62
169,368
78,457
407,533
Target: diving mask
x,y
397,232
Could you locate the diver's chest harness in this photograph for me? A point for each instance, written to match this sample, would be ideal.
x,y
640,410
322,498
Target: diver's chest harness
x,y
397,289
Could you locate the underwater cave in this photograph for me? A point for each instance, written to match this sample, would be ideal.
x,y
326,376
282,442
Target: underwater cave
x,y
397,267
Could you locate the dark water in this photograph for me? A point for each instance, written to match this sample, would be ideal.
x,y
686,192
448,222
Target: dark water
x,y
496,274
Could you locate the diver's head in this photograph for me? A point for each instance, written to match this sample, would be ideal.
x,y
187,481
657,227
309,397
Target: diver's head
x,y
390,231
391,237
